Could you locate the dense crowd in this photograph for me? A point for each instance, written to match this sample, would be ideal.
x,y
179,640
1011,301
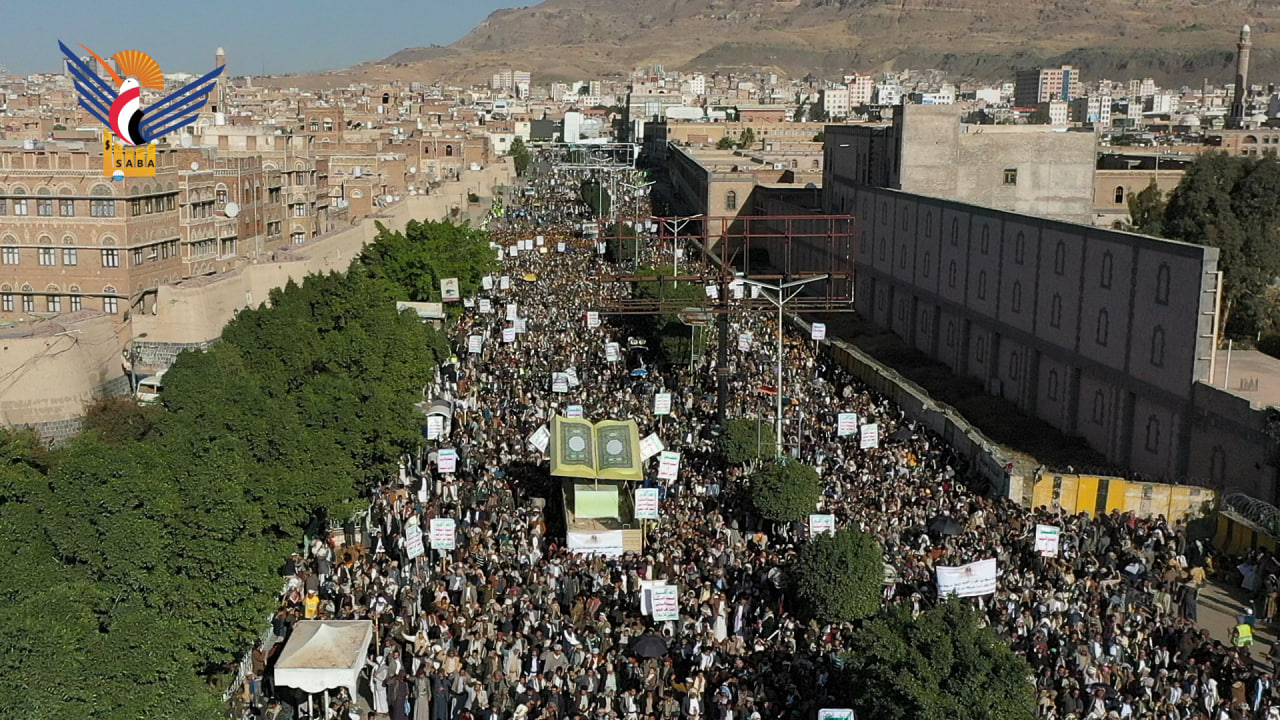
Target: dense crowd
x,y
512,625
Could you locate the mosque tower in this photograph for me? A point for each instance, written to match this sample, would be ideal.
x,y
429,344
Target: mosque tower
x,y
219,93
1239,105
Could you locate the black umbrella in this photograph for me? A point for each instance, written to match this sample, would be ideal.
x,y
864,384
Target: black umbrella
x,y
649,646
945,525
901,435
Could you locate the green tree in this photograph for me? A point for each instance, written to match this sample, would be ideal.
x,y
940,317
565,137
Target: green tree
x,y
838,578
520,156
820,137
1146,210
817,113
746,439
726,143
120,420
1039,116
943,664
1233,204
595,196
785,490
747,139
416,260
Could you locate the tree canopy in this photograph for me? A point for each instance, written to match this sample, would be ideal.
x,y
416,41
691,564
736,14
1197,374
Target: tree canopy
x,y
785,490
520,156
747,438
943,664
838,577
141,557
416,260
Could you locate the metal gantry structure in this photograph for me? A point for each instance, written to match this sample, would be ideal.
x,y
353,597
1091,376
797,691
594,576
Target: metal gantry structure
x,y
811,255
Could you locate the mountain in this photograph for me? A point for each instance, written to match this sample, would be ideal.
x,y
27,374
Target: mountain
x,y
1173,41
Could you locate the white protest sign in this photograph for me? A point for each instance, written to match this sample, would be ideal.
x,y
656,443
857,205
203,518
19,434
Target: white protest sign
x,y
514,250
560,247
486,306
541,240
662,404
818,331
504,283
744,341
486,282
650,445
593,319
646,503
1048,540
666,603
820,523
846,424
475,344
573,411
611,352
447,460
972,580
443,533
413,541
449,290
540,438
521,325
559,383
508,335
669,465
573,376
870,436
736,287
435,426
712,291
646,594
837,714
513,311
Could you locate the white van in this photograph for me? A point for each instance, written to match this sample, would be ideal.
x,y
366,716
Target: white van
x,y
149,389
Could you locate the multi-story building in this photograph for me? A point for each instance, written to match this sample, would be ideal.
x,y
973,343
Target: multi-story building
x,y
1092,110
1040,85
835,102
862,90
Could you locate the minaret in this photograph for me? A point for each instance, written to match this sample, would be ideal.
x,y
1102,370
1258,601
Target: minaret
x,y
219,93
1238,105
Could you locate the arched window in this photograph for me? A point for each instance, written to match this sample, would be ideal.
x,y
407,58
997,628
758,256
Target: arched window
x,y
1157,347
448,151
1019,248
1055,311
328,124
1107,263
951,334
1053,384
985,245
1119,195
1060,258
1099,407
925,270
982,284
955,231
902,259
904,222
1104,327
1013,365
1015,300
315,125
980,352
1153,434
884,213
951,274
928,224
1162,284
884,249
731,200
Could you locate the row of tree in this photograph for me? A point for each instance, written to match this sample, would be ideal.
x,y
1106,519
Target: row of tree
x,y
896,664
141,558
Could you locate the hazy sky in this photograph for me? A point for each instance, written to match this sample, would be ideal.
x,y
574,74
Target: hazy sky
x,y
285,36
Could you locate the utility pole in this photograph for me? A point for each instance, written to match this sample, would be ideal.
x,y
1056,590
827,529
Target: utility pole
x,y
722,355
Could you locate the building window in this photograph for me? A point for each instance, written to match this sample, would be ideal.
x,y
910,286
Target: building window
x,y
135,208
298,238
137,257
928,224
77,303
985,245
1153,434
1105,280
10,255
448,151
110,305
884,249
1104,327
951,334
1053,385
980,350
67,208
1019,248
6,300
228,247
28,303
20,206
1162,284
1013,365
1157,347
955,231
53,303
111,258
951,274
1119,195
1011,176
70,256
300,210
44,207
902,259
102,208
982,285
1055,311
731,200
1099,407
1060,259
1015,302
48,256
884,213
925,270
4,206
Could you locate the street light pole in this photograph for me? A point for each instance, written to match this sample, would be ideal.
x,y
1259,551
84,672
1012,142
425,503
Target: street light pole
x,y
780,301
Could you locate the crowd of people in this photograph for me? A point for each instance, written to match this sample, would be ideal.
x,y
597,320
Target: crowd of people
x,y
510,624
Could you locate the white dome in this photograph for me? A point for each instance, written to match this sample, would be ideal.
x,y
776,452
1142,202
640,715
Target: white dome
x,y
1189,120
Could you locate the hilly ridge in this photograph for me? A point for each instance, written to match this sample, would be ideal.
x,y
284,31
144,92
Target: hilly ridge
x,y
1174,41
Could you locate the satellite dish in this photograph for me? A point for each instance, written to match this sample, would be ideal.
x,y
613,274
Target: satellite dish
x,y
195,166
231,209
186,140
